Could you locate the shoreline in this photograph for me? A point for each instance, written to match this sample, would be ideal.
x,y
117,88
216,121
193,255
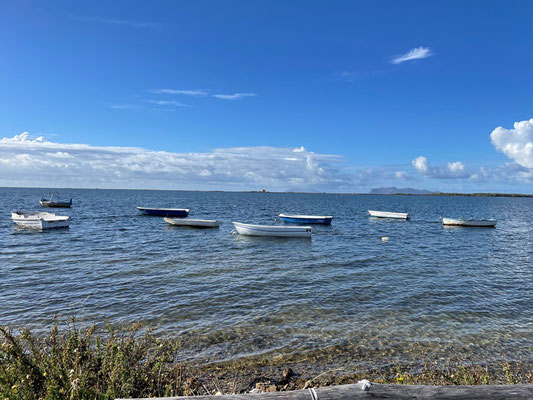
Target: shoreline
x,y
127,363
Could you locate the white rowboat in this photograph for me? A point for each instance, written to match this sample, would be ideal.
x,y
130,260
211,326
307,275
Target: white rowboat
x,y
484,223
387,214
40,220
196,223
273,230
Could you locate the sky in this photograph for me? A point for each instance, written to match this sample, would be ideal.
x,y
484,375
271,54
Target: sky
x,y
336,96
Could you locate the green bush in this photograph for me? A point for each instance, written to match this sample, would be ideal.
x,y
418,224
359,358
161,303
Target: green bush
x,y
80,364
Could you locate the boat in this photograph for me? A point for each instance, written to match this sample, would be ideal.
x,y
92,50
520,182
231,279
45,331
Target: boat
x,y
196,223
165,212
482,223
40,220
55,203
273,230
388,214
306,219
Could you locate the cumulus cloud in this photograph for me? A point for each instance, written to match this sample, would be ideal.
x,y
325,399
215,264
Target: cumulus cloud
x,y
453,170
233,96
516,143
414,54
28,161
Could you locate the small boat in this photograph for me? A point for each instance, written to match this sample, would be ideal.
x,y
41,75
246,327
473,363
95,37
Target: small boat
x,y
387,214
165,212
40,220
196,223
306,219
485,223
55,203
273,230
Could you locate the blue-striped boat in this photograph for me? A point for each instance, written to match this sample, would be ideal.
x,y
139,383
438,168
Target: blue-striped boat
x,y
165,212
306,219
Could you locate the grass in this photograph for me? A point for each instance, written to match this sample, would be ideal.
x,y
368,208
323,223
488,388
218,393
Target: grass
x,y
91,363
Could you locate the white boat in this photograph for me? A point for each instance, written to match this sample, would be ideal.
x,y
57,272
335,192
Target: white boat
x,y
197,223
486,223
273,230
40,220
387,214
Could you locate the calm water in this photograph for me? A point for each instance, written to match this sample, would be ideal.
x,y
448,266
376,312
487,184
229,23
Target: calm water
x,y
228,296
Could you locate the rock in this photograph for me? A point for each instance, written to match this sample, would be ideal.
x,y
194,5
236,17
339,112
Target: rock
x,y
260,386
287,374
271,388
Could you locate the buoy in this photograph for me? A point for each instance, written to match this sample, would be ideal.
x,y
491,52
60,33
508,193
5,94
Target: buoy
x,y
384,238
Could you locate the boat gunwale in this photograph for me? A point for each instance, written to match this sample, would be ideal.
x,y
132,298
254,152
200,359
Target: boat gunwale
x,y
163,209
296,216
276,228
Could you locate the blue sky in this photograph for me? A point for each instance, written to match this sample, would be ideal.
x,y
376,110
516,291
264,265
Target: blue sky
x,y
246,80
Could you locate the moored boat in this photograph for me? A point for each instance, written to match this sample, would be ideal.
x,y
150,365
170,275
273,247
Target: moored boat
x,y
196,223
165,212
306,219
273,230
388,214
55,202
40,220
481,223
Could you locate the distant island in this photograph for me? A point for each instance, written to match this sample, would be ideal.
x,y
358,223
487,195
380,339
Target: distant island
x,y
410,191
395,190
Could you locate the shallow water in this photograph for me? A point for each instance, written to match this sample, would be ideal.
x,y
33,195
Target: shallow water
x,y
228,296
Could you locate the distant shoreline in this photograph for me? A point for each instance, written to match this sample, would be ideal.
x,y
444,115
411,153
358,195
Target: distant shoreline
x,y
291,192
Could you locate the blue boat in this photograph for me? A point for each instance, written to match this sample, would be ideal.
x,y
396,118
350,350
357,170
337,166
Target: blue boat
x,y
165,212
306,219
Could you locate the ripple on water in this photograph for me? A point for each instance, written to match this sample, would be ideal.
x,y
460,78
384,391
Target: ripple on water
x,y
427,291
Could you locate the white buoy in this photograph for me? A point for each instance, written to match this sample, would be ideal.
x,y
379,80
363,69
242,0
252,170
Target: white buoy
x,y
384,238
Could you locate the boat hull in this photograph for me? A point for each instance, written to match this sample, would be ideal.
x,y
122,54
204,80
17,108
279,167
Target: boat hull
x,y
56,204
388,214
41,221
194,223
479,223
165,212
273,230
306,219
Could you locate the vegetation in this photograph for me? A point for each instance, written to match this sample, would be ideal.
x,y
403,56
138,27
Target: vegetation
x,y
79,364
86,363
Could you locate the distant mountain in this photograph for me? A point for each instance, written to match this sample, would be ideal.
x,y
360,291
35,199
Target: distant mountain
x,y
395,190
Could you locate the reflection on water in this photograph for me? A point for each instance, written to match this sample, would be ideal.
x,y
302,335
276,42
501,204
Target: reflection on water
x,y
426,290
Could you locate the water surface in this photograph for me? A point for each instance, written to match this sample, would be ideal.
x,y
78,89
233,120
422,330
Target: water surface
x,y
228,296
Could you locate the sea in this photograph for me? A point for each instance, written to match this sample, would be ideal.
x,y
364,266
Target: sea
x,y
427,292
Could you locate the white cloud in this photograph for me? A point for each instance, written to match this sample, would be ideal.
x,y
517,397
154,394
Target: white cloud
x,y
456,167
27,161
133,24
233,96
453,170
516,143
195,92
124,106
420,164
167,103
401,175
414,54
